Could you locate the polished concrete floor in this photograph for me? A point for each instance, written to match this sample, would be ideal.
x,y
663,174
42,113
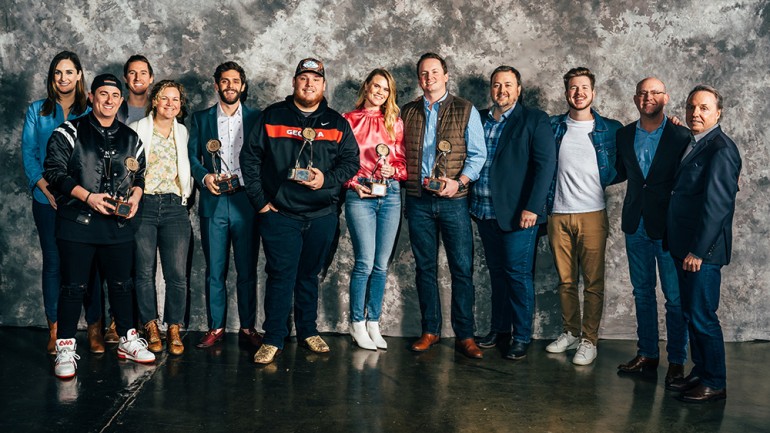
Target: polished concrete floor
x,y
352,390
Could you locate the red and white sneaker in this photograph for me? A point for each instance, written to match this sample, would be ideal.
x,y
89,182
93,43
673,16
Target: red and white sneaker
x,y
66,358
133,348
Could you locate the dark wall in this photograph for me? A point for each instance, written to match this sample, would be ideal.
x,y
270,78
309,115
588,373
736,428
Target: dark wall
x,y
722,43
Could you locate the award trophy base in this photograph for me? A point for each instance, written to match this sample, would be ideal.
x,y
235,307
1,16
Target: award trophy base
x,y
433,184
377,189
228,183
300,175
122,208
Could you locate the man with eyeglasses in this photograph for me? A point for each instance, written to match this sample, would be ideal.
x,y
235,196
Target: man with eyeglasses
x,y
649,151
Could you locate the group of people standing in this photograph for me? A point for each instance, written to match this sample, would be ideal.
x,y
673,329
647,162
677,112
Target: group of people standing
x,y
280,175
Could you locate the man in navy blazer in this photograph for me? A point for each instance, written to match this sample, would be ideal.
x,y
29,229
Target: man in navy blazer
x,y
649,151
700,219
226,217
508,202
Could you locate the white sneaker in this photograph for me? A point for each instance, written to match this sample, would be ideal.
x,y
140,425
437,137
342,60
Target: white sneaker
x,y
565,342
373,328
133,348
361,337
586,353
66,365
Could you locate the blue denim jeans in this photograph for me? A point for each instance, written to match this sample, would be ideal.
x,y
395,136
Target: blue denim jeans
x,y
700,302
295,252
428,216
509,258
643,252
45,221
164,227
373,225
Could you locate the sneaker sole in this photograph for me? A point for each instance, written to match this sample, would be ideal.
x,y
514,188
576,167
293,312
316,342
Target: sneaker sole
x,y
122,355
570,347
68,376
583,362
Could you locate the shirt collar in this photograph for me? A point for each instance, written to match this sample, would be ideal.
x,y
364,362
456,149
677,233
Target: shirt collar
x,y
504,116
221,113
698,137
426,104
656,130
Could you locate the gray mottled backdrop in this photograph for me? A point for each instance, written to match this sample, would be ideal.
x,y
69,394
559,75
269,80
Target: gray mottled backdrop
x,y
723,43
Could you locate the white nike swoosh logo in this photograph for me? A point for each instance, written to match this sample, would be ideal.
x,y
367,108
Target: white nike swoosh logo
x,y
324,124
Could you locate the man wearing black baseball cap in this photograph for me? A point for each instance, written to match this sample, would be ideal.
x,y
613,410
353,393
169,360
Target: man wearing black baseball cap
x,y
294,164
92,161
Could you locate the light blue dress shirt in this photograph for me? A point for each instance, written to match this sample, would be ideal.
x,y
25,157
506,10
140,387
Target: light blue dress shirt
x,y
476,150
646,144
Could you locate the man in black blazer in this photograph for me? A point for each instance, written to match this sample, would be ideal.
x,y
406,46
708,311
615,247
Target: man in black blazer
x,y
700,219
649,151
508,202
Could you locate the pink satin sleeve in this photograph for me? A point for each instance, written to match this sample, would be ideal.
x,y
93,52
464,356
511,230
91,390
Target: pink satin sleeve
x,y
369,130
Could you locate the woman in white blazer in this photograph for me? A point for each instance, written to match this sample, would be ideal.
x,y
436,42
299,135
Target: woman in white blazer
x,y
164,221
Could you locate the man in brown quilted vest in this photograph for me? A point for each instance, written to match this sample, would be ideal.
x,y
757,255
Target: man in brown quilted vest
x,y
445,151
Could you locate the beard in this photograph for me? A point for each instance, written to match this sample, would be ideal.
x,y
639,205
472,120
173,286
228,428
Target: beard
x,y
588,102
301,100
229,101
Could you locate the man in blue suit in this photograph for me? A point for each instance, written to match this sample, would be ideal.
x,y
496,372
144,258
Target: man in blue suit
x,y
700,219
508,202
649,151
227,218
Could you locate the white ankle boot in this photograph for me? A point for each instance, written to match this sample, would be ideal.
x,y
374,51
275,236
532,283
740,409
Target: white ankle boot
x,y
373,328
361,337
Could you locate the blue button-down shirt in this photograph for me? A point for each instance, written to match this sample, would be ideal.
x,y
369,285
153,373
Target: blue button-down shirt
x,y
646,144
476,151
481,199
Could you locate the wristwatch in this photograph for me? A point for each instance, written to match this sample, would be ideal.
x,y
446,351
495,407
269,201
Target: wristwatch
x,y
461,186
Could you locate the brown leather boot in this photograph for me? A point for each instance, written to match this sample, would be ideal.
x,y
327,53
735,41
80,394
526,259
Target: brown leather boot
x,y
51,347
111,337
152,335
95,339
174,341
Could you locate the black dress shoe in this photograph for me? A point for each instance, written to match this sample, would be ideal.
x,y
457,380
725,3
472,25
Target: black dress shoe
x,y
684,384
639,364
675,372
702,394
517,351
488,341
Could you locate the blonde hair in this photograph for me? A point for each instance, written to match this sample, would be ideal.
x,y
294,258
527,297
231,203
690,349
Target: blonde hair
x,y
390,108
155,93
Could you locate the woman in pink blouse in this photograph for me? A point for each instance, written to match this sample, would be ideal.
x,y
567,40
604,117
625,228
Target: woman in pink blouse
x,y
373,202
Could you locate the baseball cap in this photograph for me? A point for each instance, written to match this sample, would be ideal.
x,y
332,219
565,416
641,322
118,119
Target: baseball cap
x,y
105,80
310,65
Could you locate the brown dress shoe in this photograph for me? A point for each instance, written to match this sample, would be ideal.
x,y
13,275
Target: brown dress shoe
x,y
703,394
684,384
111,336
468,348
639,364
95,339
675,372
211,337
425,342
250,336
51,347
152,335
174,341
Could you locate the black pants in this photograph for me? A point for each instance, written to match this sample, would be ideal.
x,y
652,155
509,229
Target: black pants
x,y
114,262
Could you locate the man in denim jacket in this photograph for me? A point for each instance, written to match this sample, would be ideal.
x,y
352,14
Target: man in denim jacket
x,y
577,221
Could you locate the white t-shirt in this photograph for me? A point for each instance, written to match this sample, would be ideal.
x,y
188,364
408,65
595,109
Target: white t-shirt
x,y
578,187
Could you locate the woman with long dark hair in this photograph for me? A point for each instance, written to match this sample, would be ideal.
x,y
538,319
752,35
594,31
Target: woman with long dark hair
x,y
164,222
373,202
66,100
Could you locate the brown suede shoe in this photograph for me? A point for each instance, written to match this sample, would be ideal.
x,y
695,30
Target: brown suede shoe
x,y
51,347
174,341
425,342
112,337
95,339
468,348
152,335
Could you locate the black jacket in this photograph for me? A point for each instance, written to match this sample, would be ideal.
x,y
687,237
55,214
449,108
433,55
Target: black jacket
x,y
700,215
273,147
523,166
76,156
648,197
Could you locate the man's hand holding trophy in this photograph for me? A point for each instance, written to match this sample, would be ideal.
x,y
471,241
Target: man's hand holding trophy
x,y
221,181
310,176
